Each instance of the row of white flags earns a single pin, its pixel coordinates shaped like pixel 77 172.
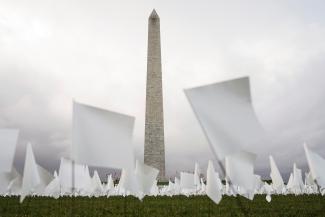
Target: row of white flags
pixel 104 138
pixel 75 179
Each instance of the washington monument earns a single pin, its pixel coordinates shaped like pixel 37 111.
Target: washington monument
pixel 154 145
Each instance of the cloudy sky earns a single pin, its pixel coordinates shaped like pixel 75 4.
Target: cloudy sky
pixel 94 51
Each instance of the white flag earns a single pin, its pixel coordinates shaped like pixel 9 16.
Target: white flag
pixel 297 177
pixel 146 177
pixel 212 188
pixel 187 181
pixel 240 170
pixel 316 165
pixel 73 175
pixel 226 115
pixel 8 141
pixel 35 178
pixel 53 188
pixel 277 181
pixel 96 185
pixel 290 181
pixel 102 138
pixel 197 174
pixel 9 181
pixel 110 183
pixel 128 183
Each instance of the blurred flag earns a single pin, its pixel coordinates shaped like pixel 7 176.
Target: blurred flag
pixel 277 181
pixel 316 165
pixel 226 115
pixel 212 188
pixel 8 141
pixel 102 138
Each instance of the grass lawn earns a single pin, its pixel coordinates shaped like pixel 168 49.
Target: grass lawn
pixel 281 205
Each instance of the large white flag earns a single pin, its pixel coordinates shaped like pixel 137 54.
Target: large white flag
pixel 102 138
pixel 8 141
pixel 316 165
pixel 226 115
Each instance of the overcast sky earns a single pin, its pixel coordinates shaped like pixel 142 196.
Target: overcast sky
pixel 94 51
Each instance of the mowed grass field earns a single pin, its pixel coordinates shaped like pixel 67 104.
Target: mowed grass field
pixel 281 205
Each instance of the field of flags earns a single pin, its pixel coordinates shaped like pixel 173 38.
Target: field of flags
pixel 104 139
pixel 74 179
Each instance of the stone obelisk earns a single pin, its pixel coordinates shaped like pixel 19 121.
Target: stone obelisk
pixel 154 147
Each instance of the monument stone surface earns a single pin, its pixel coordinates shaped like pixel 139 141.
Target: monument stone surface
pixel 154 147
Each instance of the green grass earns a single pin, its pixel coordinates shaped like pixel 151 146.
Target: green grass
pixel 290 205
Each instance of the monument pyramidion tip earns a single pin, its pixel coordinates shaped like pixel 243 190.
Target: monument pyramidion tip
pixel 153 15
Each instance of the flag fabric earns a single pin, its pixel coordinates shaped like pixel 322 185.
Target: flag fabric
pixel 35 178
pixel 146 177
pixel 226 115
pixel 109 188
pixel 31 178
pixel 277 181
pixel 102 138
pixel 187 181
pixel 53 188
pixel 295 183
pixel 96 188
pixel 73 176
pixel 316 165
pixel 8 141
pixel 8 181
pixel 290 181
pixel 128 183
pixel 197 173
pixel 212 188
pixel 240 170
